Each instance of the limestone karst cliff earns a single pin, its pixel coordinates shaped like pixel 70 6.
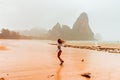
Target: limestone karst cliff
pixel 80 30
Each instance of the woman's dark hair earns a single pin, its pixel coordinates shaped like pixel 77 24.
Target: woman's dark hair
pixel 60 41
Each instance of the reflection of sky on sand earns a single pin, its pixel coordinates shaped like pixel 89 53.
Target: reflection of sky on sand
pixel 37 60
pixel 73 58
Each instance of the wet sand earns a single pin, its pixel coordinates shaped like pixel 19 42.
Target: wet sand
pixel 36 60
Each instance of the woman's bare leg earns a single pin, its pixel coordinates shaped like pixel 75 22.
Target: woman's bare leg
pixel 59 53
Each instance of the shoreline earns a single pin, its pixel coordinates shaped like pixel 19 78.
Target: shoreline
pixel 97 48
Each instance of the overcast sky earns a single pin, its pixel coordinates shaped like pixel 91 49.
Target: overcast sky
pixel 104 15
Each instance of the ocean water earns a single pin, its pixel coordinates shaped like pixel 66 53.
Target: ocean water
pixel 112 44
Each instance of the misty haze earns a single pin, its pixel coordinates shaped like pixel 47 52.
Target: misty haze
pixel 59 40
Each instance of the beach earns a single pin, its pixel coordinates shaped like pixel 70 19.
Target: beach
pixel 37 60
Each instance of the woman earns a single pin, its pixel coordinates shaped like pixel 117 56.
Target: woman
pixel 60 44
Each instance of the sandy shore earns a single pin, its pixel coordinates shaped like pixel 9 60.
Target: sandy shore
pixel 36 60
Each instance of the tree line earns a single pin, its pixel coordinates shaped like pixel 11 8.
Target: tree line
pixel 8 34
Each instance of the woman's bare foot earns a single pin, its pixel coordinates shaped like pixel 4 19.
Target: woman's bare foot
pixel 61 62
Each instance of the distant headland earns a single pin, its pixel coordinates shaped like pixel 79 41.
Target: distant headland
pixel 79 31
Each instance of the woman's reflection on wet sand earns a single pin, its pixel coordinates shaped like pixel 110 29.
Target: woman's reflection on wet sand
pixel 58 73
